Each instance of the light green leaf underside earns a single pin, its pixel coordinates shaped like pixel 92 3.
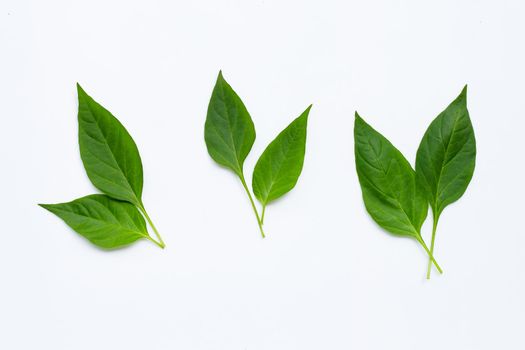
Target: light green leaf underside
pixel 229 131
pixel 105 222
pixel 388 183
pixel 447 155
pixel 109 154
pixel 281 163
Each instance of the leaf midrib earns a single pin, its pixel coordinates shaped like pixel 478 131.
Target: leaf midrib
pixel 385 194
pixel 273 181
pixel 435 207
pixel 111 224
pixel 110 150
pixel 230 128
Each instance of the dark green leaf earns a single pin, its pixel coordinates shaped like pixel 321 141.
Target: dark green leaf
pixel 281 163
pixel 106 222
pixel 388 183
pixel 229 131
pixel 447 155
pixel 109 154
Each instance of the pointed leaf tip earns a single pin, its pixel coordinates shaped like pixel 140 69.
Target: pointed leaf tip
pixel 80 91
pixel 358 119
pixel 463 95
pixel 464 91
pixel 306 112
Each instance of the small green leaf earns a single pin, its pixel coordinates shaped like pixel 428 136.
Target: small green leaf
pixel 446 159
pixel 388 183
pixel 109 154
pixel 281 163
pixel 447 155
pixel 229 131
pixel 106 222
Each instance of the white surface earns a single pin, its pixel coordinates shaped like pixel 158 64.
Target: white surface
pixel 326 277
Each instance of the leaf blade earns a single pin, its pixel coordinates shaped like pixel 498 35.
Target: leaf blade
pixel 109 153
pixel 446 156
pixel 279 167
pixel 387 182
pixel 105 222
pixel 229 132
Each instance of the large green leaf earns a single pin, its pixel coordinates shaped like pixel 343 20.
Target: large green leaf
pixel 447 155
pixel 229 131
pixel 388 183
pixel 109 154
pixel 281 163
pixel 106 222
pixel 446 159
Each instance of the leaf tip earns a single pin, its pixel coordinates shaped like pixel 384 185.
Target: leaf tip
pixel 463 95
pixel 306 112
pixel 80 91
pixel 45 206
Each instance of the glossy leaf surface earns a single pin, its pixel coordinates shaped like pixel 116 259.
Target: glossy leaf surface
pixel 447 155
pixel 281 163
pixel 388 183
pixel 229 131
pixel 109 154
pixel 105 222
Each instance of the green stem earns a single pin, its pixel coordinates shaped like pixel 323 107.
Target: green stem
pixel 420 240
pixel 434 227
pixel 262 215
pixel 160 243
pixel 259 222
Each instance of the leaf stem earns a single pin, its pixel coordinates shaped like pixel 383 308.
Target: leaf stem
pixel 262 215
pixel 149 238
pixel 160 243
pixel 434 227
pixel 259 221
pixel 420 240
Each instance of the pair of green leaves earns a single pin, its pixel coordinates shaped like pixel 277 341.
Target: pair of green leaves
pixel 396 196
pixel 229 134
pixel 112 162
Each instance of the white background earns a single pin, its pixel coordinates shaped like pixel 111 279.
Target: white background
pixel 326 277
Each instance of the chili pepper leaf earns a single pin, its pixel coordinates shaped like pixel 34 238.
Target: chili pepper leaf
pixel 229 131
pixel 106 222
pixel 388 183
pixel 281 163
pixel 447 155
pixel 109 154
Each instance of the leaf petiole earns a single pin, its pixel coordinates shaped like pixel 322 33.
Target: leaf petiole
pixel 259 221
pixel 262 215
pixel 420 240
pixel 160 243
pixel 434 227
pixel 149 238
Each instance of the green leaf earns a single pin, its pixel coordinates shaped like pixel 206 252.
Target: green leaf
pixel 109 154
pixel 447 155
pixel 388 183
pixel 106 222
pixel 229 131
pixel 281 163
pixel 446 159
